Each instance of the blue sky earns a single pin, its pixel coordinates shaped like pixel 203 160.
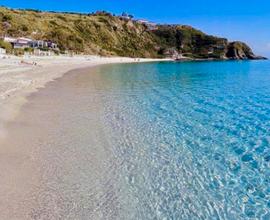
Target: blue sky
pixel 246 20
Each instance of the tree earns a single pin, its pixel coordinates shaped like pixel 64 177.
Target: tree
pixel 7 46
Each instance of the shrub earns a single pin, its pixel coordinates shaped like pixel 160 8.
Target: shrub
pixel 18 52
pixel 24 28
pixel 6 46
pixel 28 49
pixel 53 22
pixel 61 17
pixel 6 18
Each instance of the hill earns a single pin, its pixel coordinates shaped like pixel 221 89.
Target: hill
pixel 105 34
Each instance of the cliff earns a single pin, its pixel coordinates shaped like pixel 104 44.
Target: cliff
pixel 240 50
pixel 105 34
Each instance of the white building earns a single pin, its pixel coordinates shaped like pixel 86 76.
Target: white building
pixel 2 51
pixel 9 39
pixel 148 24
pixel 43 44
pixel 23 42
pixel 20 42
pixel 38 52
pixel 126 16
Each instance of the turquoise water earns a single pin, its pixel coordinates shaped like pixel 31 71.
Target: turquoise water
pixel 193 139
pixel 145 141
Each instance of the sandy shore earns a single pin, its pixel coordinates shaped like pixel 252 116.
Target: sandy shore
pixel 20 76
pixel 29 162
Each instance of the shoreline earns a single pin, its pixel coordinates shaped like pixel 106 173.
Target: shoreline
pixel 86 143
pixel 22 76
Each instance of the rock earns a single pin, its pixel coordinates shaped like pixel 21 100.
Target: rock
pixel 240 51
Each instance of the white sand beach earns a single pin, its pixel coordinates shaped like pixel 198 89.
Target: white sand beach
pixel 20 76
pixel 21 157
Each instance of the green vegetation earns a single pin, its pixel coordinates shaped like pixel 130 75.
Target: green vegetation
pixel 6 46
pixel 18 52
pixel 190 41
pixel 28 49
pixel 239 50
pixel 105 34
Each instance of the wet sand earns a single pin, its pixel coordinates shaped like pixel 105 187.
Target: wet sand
pixel 19 77
pixel 55 162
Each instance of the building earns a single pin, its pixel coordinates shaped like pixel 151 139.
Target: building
pixel 2 51
pixel 23 42
pixel 219 47
pixel 38 52
pixel 43 44
pixel 37 44
pixel 141 21
pixel 18 42
pixel 126 16
pixel 211 50
pixel 9 39
pixel 102 13
pixel 150 25
pixel 52 45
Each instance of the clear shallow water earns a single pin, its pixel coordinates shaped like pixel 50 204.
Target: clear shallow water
pixel 151 141
pixel 194 138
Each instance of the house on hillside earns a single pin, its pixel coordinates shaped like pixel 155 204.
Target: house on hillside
pixel 43 44
pixel 9 39
pixel 52 45
pixel 2 51
pixel 102 13
pixel 22 43
pixel 37 44
pixel 150 25
pixel 219 47
pixel 211 50
pixel 126 16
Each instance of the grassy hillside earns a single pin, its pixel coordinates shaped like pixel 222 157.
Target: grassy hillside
pixel 106 34
pixel 102 34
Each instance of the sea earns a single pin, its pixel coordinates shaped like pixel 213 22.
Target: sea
pixel 161 140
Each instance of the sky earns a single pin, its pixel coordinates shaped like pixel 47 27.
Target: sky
pixel 245 20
